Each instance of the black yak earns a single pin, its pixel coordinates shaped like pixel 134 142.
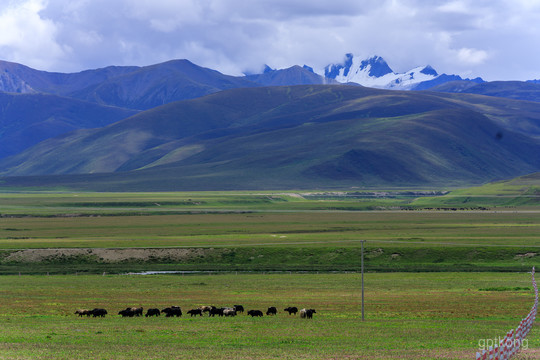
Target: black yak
pixel 271 310
pixel 98 312
pixel 195 312
pixel 172 311
pixel 138 311
pixel 307 313
pixel 127 313
pixel 254 313
pixel 215 311
pixel 291 310
pixel 152 312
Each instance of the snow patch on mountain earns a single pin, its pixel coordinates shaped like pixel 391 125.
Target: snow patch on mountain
pixel 375 72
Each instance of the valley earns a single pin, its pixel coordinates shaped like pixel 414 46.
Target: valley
pixel 494 227
pixel 292 180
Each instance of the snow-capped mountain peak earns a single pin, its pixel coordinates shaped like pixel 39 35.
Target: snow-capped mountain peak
pixel 428 70
pixel 352 68
pixel 375 66
pixel 375 72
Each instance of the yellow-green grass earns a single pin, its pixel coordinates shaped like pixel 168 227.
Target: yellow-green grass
pixel 55 203
pixel 281 224
pixel 408 315
pixel 522 192
pixel 274 229
pixel 68 203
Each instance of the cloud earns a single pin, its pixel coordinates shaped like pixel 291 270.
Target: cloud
pixel 165 15
pixel 490 38
pixel 26 36
pixel 472 56
pixel 460 7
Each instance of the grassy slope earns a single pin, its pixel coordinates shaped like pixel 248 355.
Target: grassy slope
pixel 27 119
pixel 522 191
pixel 296 137
pixel 507 89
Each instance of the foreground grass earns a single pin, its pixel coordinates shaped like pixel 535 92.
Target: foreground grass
pixel 408 315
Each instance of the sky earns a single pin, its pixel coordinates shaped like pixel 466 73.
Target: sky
pixel 493 39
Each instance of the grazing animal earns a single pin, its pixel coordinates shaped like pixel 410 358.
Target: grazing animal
pixel 307 313
pixel 137 311
pixel 229 312
pixel 206 308
pixel 238 308
pixel 82 312
pixel 195 312
pixel 126 312
pixel 98 312
pixel 291 310
pixel 254 313
pixel 152 312
pixel 172 311
pixel 271 310
pixel 215 311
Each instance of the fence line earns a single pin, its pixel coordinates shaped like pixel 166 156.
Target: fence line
pixel 512 342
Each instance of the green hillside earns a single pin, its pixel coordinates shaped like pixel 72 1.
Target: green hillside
pixel 27 119
pixel 296 137
pixel 520 90
pixel 523 191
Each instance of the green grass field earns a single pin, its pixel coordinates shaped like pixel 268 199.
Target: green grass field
pixel 272 228
pixel 522 193
pixel 245 237
pixel 408 315
pixel 270 231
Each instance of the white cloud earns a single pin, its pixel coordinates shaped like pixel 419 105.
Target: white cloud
pixel 495 39
pixel 26 36
pixel 472 56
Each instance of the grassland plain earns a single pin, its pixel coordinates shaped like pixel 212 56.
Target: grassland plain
pixel 408 316
pixel 397 240
pixel 270 231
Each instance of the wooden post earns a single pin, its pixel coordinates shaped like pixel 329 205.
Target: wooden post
pixel 362 267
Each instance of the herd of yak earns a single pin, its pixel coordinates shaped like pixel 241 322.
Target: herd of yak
pixel 211 310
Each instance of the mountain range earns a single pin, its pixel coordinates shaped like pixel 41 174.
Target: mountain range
pixel 177 126
pixel 375 72
pixel 142 88
pixel 132 87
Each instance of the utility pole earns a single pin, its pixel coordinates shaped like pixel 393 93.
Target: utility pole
pixel 362 267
